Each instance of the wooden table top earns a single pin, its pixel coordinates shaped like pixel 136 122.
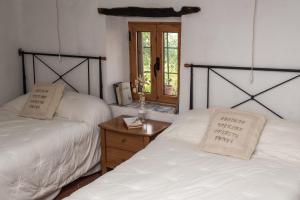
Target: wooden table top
pixel 150 127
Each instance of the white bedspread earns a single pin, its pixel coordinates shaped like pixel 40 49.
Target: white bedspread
pixel 173 168
pixel 38 157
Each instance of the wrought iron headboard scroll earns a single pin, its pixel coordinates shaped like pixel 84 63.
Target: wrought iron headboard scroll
pixel 252 97
pixel 36 56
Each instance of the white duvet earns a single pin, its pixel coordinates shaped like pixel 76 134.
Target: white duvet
pixel 38 157
pixel 173 168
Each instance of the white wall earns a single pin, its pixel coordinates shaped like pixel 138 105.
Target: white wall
pixel 10 71
pixel 222 36
pixel 82 28
pixel 83 32
pixel 219 35
pixel 117 53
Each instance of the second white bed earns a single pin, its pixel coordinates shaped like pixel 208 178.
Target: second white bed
pixel 173 168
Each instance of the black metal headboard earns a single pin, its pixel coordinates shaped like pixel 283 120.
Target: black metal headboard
pixel 36 56
pixel 252 97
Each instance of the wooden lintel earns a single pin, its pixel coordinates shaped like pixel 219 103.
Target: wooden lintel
pixel 148 12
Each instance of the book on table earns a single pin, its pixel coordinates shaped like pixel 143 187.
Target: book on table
pixel 132 122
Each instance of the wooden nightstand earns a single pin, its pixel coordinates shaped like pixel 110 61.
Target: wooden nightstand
pixel 118 143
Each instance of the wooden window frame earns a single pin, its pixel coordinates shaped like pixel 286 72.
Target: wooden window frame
pixel 156 29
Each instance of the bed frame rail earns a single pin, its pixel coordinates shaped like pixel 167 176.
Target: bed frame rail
pixel 252 97
pixel 36 56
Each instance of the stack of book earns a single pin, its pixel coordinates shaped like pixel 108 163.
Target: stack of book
pixel 123 93
pixel 132 122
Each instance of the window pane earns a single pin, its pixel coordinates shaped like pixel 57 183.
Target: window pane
pixel 147 59
pixel 173 39
pixel 171 60
pixel 146 39
pixel 144 57
pixel 170 64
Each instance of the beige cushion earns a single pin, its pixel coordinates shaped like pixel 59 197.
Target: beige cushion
pixel 43 101
pixel 233 133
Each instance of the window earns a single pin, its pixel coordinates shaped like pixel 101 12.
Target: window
pixel 155 54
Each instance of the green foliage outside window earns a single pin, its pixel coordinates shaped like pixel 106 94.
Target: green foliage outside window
pixel 147 60
pixel 170 59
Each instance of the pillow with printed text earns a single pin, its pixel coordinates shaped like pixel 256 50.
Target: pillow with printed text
pixel 43 101
pixel 233 133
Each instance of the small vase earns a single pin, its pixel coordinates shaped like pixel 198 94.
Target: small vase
pixel 142 114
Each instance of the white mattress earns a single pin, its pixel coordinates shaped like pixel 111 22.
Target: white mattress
pixel 172 167
pixel 38 157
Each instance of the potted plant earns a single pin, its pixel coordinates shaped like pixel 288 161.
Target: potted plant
pixel 169 88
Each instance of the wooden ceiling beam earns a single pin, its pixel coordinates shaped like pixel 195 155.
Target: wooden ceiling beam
pixel 148 12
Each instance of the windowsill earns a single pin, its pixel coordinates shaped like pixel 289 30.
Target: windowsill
pixel 155 111
pixel 151 106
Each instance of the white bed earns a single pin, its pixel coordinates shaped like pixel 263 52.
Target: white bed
pixel 38 157
pixel 172 167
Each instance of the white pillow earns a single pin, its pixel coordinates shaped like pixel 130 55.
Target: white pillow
pixel 17 104
pixel 189 126
pixel 83 108
pixel 280 140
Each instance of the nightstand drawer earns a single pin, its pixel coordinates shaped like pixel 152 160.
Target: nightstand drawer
pixel 125 142
pixel 114 157
pixel 118 143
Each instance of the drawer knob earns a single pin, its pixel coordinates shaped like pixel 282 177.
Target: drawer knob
pixel 123 140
